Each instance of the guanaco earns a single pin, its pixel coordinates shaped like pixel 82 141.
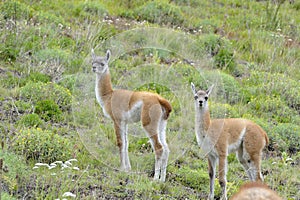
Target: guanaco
pixel 257 191
pixel 219 137
pixel 124 107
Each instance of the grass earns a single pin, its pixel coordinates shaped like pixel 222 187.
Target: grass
pixel 248 49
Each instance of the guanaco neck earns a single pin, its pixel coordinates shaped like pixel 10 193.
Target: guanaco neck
pixel 202 120
pixel 103 87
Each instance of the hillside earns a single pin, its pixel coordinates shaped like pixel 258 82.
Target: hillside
pixel 249 50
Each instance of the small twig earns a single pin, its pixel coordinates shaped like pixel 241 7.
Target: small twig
pixel 14 105
pixel 1 166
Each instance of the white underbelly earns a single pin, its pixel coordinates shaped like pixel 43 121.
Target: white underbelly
pixel 134 114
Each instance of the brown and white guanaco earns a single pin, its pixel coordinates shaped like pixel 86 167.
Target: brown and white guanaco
pixel 124 107
pixel 219 137
pixel 257 191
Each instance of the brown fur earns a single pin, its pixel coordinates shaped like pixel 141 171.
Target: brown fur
pixel 257 191
pixel 219 137
pixel 124 106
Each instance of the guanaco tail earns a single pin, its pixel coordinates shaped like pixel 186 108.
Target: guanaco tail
pixel 124 107
pixel 219 137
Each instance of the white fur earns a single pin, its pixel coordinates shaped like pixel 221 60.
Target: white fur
pixel 125 165
pixel 134 114
pixel 99 98
pixel 234 146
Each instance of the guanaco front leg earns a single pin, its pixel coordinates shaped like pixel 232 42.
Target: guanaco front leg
pixel 222 175
pixel 122 142
pixel 212 174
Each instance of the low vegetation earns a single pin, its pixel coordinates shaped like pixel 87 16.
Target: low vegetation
pixel 56 142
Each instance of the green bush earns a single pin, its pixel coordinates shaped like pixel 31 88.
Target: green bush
pixel 226 86
pixel 286 137
pixel 225 60
pixel 193 178
pixel 219 110
pixel 12 80
pixel 42 145
pixel 187 2
pixel 37 77
pixel 34 92
pixel 49 19
pixel 58 55
pixel 105 33
pixel 153 87
pixel 30 120
pixel 23 107
pixel 212 43
pixel 221 50
pixel 275 84
pixel 272 108
pixel 48 110
pixel 9 48
pixel 88 9
pixel 15 10
pixel 159 12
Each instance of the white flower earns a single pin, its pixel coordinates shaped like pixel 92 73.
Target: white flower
pixel 63 166
pixel 73 159
pixel 41 164
pixel 51 167
pixel 68 163
pixel 69 194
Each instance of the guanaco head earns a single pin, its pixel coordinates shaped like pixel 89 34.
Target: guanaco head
pixel 100 64
pixel 201 96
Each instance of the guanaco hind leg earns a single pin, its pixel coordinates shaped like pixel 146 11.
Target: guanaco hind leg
pixel 151 120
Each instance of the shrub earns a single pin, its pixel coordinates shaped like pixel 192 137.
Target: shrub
pixel 37 77
pixel 9 48
pixel 49 18
pixel 88 9
pixel 11 80
pixel 159 12
pixel 58 55
pixel 286 136
pixel 226 87
pixel 187 2
pixel 272 108
pixel 275 84
pixel 193 178
pixel 219 110
pixel 42 145
pixel 153 87
pixel 212 43
pixel 225 60
pixel 221 51
pixel 48 110
pixel 35 92
pixel 23 107
pixel 30 120
pixel 15 10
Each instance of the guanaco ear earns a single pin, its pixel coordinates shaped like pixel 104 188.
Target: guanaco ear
pixel 208 91
pixel 93 54
pixel 193 88
pixel 108 55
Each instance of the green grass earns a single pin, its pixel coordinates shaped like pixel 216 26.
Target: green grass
pixel 246 48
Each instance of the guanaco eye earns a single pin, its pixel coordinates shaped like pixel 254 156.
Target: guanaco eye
pixel 195 97
pixel 206 98
pixel 102 64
